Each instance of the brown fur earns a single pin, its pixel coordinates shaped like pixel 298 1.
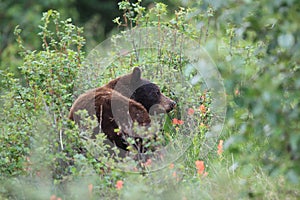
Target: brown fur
pixel 98 102
pixel 149 94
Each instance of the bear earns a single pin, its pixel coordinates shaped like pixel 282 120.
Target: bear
pixel 99 103
pixel 119 104
pixel 143 91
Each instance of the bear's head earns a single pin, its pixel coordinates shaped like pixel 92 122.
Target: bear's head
pixel 143 91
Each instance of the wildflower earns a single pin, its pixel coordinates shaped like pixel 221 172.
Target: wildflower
pixel 191 111
pixel 171 166
pixel 174 174
pixel 147 163
pixel 200 167
pixel 220 148
pixel 205 174
pixel 202 108
pixel 135 169
pixel 176 121
pixel 180 122
pixel 119 184
pixel 53 197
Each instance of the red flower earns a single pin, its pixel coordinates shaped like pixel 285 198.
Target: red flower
pixel 220 148
pixel 180 122
pixel 191 111
pixel 177 121
pixel 119 185
pixel 200 167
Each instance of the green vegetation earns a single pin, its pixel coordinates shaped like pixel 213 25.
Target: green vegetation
pixel 254 45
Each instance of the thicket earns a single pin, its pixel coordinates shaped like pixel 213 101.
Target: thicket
pixel 255 45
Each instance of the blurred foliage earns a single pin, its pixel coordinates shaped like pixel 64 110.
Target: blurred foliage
pixel 48 77
pixel 27 15
pixel 259 42
pixel 94 15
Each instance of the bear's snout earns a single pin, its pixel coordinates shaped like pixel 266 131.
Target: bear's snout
pixel 172 104
pixel 166 105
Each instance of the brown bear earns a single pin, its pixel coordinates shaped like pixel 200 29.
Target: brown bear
pixel 119 104
pixel 142 91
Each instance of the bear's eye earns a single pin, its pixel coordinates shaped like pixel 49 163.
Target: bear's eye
pixel 158 93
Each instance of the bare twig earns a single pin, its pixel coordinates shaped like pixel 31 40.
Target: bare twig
pixel 60 139
pixel 100 118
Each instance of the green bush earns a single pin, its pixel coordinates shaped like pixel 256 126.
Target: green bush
pixel 259 62
pixel 260 42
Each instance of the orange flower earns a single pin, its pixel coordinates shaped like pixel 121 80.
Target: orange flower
pixel 135 169
pixel 220 148
pixel 171 166
pixel 200 167
pixel 205 174
pixel 119 184
pixel 176 121
pixel 53 197
pixel 202 108
pixel 174 174
pixel 191 111
pixel 147 163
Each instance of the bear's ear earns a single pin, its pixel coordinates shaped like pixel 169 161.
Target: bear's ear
pixel 136 74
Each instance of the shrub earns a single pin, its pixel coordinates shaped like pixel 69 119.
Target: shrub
pixel 261 132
